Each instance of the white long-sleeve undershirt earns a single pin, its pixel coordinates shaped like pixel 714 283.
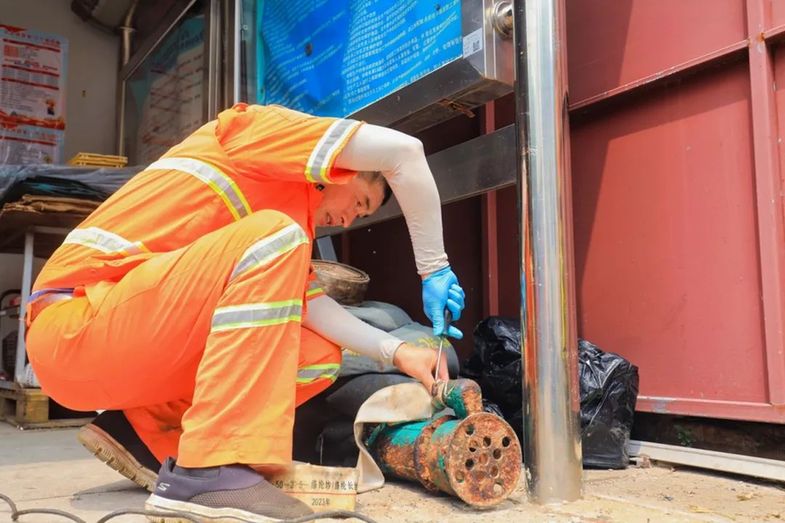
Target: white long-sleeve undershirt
pixel 401 160
pixel 327 318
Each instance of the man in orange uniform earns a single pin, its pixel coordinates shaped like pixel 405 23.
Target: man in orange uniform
pixel 186 299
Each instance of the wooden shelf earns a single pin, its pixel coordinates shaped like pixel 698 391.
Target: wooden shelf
pixel 13 225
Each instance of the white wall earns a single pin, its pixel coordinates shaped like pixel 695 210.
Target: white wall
pixel 91 81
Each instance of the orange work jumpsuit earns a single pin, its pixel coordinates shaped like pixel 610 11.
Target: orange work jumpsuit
pixel 185 292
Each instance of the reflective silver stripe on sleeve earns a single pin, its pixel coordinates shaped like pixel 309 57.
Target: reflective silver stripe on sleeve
pixel 104 241
pixel 319 161
pixel 256 315
pixel 219 182
pixel 268 248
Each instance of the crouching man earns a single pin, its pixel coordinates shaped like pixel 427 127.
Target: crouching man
pixel 186 304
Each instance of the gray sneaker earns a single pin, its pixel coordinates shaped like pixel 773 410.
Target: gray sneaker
pixel 231 494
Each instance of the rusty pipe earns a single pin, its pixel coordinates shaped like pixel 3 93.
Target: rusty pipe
pixel 476 458
pixel 463 396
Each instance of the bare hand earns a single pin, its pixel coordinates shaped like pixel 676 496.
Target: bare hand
pixel 419 363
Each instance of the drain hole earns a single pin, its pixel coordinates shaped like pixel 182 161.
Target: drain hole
pixel 486 441
pixel 459 476
pixel 470 430
pixel 494 471
pixel 472 449
pixel 497 453
pixel 505 441
pixel 484 459
pixel 469 463
pixel 498 489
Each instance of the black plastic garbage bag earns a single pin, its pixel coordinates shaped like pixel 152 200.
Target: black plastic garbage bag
pixel 608 389
pixel 496 362
pixel 491 408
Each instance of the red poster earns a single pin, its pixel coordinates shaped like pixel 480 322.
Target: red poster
pixel 32 95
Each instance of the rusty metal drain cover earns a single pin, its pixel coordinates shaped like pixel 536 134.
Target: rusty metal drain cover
pixel 483 461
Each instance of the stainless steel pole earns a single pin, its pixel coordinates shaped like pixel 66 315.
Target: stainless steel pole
pixel 551 446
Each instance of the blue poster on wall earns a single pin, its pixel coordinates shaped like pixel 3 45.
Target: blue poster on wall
pixel 329 61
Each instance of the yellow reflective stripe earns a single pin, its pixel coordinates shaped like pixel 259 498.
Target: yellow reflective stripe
pixel 311 373
pixel 314 291
pixel 221 184
pixel 269 248
pixel 313 288
pixel 256 315
pixel 326 149
pixel 104 241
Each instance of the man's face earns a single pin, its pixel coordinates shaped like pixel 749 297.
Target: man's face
pixel 341 204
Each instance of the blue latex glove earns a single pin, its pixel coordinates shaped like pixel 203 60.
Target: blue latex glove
pixel 440 291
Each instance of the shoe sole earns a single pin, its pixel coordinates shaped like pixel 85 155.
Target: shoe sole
pixel 108 450
pixel 201 513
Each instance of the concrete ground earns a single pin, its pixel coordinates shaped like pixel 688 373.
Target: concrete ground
pixel 48 468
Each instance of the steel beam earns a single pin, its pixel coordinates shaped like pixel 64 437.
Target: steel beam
pixel 768 191
pixel 710 459
pixel 729 53
pixel 774 34
pixel 490 254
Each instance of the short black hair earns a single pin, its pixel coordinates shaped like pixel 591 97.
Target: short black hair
pixel 376 177
pixel 387 191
